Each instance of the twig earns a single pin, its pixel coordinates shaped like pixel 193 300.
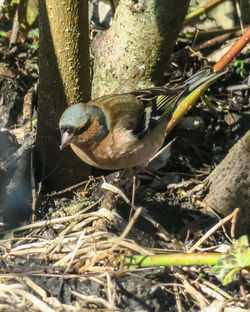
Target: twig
pixel 16 22
pixel 233 52
pixel 70 188
pixel 213 229
pixel 238 10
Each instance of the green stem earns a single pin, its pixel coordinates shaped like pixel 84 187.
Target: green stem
pixel 178 259
pixel 209 106
pixel 201 10
pixel 208 34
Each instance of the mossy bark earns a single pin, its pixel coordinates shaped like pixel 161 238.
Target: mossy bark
pixel 64 80
pixel 134 51
pixel 230 184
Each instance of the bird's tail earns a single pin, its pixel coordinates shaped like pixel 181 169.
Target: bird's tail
pixel 204 75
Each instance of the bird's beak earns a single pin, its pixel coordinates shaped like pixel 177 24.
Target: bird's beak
pixel 66 139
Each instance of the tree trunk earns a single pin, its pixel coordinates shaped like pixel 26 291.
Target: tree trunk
pixel 230 184
pixel 134 51
pixel 64 80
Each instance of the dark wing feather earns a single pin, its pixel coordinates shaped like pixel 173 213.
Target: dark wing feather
pixel 159 104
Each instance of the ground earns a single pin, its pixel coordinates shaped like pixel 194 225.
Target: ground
pixel 67 257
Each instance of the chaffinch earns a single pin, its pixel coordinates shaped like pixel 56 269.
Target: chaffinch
pixel 125 130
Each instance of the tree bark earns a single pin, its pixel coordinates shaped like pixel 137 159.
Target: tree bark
pixel 134 51
pixel 64 80
pixel 230 184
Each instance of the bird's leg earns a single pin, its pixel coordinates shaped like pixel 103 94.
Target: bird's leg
pixel 125 179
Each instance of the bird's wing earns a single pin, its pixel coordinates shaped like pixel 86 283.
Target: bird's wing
pixel 138 111
pixel 159 104
pixel 141 111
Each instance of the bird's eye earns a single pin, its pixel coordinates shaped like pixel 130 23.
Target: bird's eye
pixel 83 128
pixel 67 129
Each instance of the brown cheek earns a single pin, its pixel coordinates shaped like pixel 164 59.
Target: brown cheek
pixel 92 132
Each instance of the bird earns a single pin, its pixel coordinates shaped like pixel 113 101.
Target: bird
pixel 120 131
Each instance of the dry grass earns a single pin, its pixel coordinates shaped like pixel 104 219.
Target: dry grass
pixel 79 247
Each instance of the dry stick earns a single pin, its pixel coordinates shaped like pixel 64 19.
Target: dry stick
pixel 195 38
pixel 114 189
pixel 37 289
pixel 213 229
pixel 111 293
pixel 162 150
pixel 233 225
pixel 211 42
pixel 208 284
pixel 158 226
pixel 33 185
pixel 242 289
pixel 177 298
pixel 116 243
pixel 238 10
pixel 15 29
pixel 209 209
pixel 209 292
pixel 197 296
pixel 16 22
pixel 133 198
pixel 38 304
pixel 233 52
pixel 54 221
pixel 93 299
pixel 27 122
pixel 68 189
pixel 77 246
pixel 126 230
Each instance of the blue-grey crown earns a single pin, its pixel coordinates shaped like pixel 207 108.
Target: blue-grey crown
pixel 73 117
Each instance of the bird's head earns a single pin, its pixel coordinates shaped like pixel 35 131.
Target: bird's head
pixel 82 123
pixel 74 121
